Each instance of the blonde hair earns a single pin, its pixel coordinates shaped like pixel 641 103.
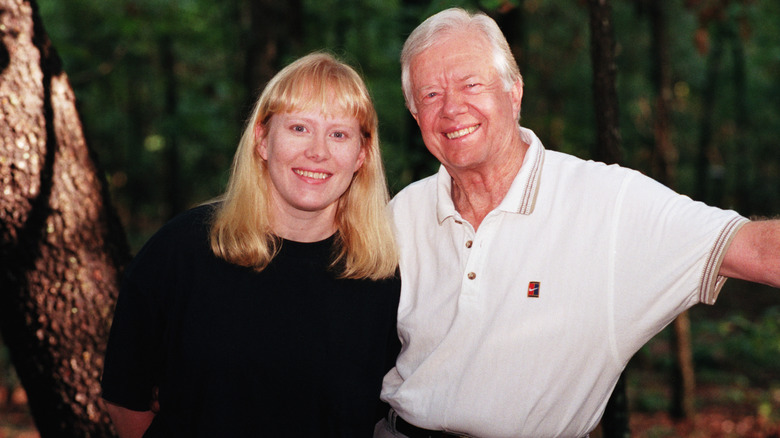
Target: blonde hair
pixel 241 231
pixel 445 23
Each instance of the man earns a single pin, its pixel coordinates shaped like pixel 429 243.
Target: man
pixel 530 277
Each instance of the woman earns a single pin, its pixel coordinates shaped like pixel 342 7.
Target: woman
pixel 271 312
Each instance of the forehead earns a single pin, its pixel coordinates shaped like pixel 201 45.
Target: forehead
pixel 455 56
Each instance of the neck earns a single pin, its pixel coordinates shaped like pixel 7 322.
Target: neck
pixel 476 192
pixel 303 233
pixel 305 226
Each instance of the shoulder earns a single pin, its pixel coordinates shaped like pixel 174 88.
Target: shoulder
pixel 186 234
pixel 417 200
pixel 424 189
pixel 579 174
pixel 569 163
pixel 418 188
pixel 187 224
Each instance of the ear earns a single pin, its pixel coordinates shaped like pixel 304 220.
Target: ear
pixel 261 141
pixel 517 97
pixel 360 159
pixel 415 118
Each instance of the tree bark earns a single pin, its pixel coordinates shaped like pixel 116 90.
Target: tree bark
pixel 683 376
pixel 664 159
pixel 608 148
pixel 664 155
pixel 743 156
pixel 270 29
pixel 710 90
pixel 61 245
pixel 615 422
pixel 173 178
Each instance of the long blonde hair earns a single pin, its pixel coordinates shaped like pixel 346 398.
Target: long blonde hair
pixel 241 230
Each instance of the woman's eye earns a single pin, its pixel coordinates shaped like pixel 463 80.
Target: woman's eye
pixel 339 134
pixel 299 128
pixel 431 94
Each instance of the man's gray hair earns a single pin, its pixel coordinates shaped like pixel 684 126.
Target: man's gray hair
pixel 449 21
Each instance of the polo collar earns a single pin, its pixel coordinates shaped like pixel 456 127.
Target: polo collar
pixel 522 194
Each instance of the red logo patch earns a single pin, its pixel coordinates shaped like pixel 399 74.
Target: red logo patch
pixel 533 289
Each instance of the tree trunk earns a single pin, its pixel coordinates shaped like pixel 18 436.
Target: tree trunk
pixel 710 90
pixel 61 245
pixel 683 378
pixel 664 155
pixel 512 21
pixel 173 187
pixel 615 422
pixel 743 198
pixel 602 43
pixel 269 28
pixel 664 164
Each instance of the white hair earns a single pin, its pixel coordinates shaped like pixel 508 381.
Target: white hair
pixel 445 23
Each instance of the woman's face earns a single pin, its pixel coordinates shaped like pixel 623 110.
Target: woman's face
pixel 311 159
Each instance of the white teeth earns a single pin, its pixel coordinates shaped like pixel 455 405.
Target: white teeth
pixel 308 174
pixel 461 132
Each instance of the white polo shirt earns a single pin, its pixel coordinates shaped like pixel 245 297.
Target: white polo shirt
pixel 522 328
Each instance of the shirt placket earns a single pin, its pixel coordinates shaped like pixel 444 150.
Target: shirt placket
pixel 473 272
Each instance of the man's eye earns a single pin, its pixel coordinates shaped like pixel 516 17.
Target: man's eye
pixel 431 94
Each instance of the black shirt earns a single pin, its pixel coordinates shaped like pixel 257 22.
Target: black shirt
pixel 290 351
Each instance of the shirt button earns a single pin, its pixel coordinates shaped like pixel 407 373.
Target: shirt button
pixel 472 276
pixel 468 244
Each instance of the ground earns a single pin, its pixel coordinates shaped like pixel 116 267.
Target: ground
pixel 722 412
pixel 732 420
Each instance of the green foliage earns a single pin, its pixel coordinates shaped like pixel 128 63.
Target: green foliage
pixel 736 359
pixel 734 349
pixel 558 96
pixel 748 347
pixel 116 53
pixel 8 378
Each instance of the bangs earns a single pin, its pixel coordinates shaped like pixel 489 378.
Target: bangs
pixel 332 92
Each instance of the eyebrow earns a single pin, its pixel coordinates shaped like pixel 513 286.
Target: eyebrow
pixel 329 118
pixel 478 77
pixel 427 87
pixel 465 78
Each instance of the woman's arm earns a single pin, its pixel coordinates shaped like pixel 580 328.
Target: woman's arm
pixel 129 423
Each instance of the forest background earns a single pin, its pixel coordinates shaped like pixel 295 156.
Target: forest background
pixel 164 87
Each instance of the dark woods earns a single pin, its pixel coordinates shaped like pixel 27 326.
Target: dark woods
pixel 682 90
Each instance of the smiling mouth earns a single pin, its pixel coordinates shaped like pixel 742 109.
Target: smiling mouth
pixel 461 132
pixel 310 174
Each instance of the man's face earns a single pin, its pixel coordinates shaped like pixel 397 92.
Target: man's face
pixel 466 118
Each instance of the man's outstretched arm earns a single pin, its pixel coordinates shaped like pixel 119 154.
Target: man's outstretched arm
pixel 754 253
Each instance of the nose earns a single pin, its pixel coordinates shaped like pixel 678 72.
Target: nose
pixel 318 149
pixel 454 103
